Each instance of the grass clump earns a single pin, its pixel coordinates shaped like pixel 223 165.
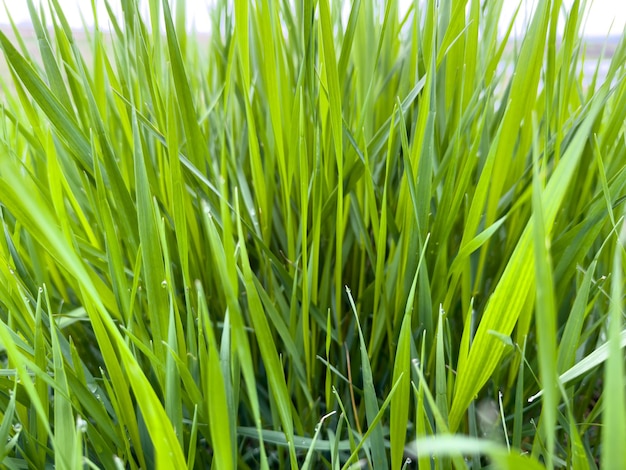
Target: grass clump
pixel 317 237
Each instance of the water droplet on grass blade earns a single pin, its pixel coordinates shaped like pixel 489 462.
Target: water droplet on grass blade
pixel 81 425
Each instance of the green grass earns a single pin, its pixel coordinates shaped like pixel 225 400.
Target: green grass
pixel 315 238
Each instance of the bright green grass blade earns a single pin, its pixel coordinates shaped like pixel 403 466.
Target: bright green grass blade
pixel 49 61
pixel 243 39
pixel 7 443
pixel 153 271
pixel 230 372
pixel 20 363
pixel 523 84
pixel 278 323
pixel 240 340
pixel 439 420
pixel 545 316
pixel 614 414
pixel 40 361
pixel 168 451
pixel 177 186
pixel 183 90
pixel 329 64
pixel 373 427
pixel 50 104
pixel 510 294
pixel 441 382
pixel 348 39
pixel 579 457
pixel 573 328
pixel 45 229
pixel 379 313
pixel 193 441
pixel 520 402
pixel 377 444
pixel 266 344
pixel 215 392
pixel 173 394
pixel 277 102
pixel 420 421
pixel 67 455
pixel 399 407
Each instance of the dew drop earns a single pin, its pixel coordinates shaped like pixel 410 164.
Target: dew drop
pixel 164 284
pixel 119 463
pixel 81 425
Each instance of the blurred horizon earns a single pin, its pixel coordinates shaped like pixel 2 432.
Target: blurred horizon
pixel 604 20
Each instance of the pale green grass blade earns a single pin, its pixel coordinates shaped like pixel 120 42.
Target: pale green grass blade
pixel 301 443
pixel 451 445
pixel 309 455
pixel 599 355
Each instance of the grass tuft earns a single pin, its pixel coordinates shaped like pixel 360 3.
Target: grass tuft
pixel 319 236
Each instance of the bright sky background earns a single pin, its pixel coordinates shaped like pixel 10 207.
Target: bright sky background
pixel 601 13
